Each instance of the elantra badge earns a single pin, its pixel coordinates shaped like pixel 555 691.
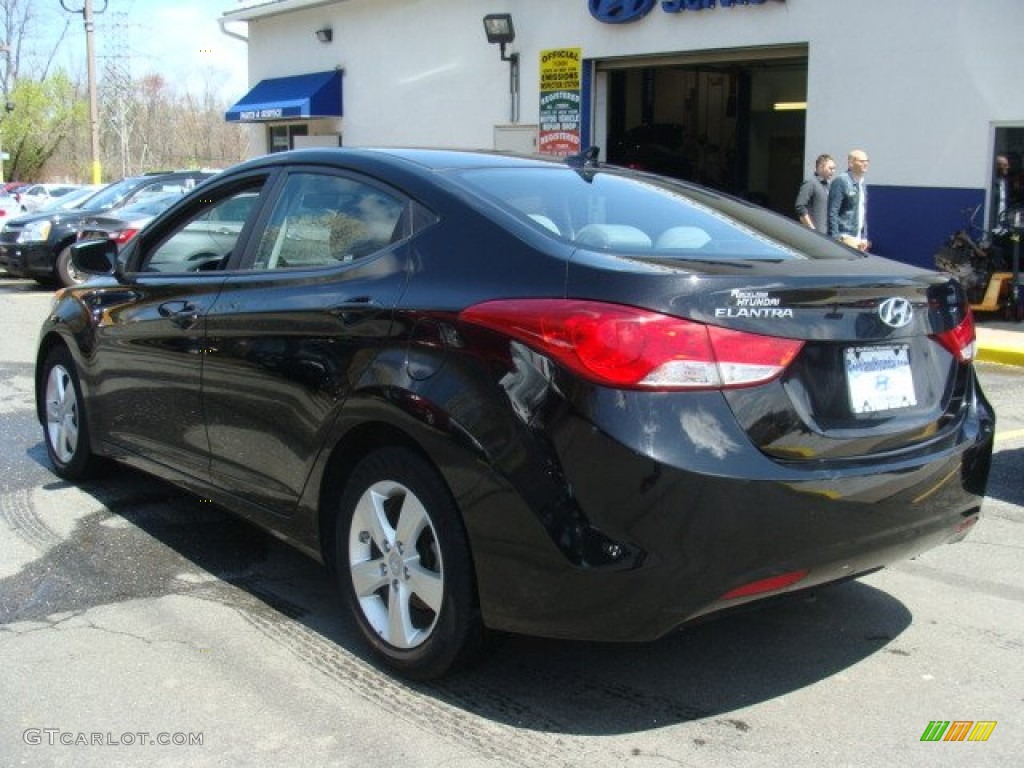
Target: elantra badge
pixel 896 312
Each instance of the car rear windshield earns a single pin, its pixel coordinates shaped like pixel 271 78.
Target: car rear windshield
pixel 627 213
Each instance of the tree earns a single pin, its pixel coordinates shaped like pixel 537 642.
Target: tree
pixel 148 125
pixel 45 116
pixel 145 124
pixel 39 109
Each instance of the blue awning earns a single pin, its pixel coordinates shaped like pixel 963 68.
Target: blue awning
pixel 280 98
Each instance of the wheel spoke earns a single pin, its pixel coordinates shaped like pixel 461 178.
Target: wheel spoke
pixel 368 576
pixel 370 517
pixel 401 631
pixel 427 585
pixel 411 521
pixel 70 429
pixel 53 411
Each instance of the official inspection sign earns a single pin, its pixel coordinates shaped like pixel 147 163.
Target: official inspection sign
pixel 560 75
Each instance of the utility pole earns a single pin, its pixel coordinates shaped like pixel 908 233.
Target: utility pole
pixel 94 117
pixel 9 107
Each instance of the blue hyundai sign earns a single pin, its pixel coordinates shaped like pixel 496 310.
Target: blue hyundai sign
pixel 620 11
pixel 625 11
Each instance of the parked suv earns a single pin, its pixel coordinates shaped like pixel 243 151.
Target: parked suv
pixel 38 245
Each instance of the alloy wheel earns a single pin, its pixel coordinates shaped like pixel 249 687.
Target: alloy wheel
pixel 395 564
pixel 62 424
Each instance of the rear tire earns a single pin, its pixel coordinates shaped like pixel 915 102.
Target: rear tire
pixel 404 566
pixel 65 429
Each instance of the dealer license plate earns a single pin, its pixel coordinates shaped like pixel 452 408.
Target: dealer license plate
pixel 879 378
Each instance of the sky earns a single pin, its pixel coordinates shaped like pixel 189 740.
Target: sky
pixel 177 39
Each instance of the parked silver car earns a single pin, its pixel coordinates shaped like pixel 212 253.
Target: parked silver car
pixel 33 197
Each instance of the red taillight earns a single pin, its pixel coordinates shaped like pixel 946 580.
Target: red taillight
pixel 123 236
pixel 960 340
pixel 765 585
pixel 632 348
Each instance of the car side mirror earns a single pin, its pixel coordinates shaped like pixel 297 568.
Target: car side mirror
pixel 95 257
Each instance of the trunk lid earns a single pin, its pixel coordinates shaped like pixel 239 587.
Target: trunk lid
pixel 885 365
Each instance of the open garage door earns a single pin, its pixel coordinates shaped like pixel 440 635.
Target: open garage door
pixel 733 120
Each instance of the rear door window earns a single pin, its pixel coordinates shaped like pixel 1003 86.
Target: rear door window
pixel 322 220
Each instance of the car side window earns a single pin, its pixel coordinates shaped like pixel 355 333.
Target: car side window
pixel 321 220
pixel 206 238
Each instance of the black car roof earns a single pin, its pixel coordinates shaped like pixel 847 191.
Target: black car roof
pixel 443 159
pixel 425 159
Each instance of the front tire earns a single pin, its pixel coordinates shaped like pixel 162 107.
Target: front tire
pixel 65 429
pixel 404 565
pixel 67 274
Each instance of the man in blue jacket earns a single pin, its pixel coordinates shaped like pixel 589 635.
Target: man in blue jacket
pixel 848 203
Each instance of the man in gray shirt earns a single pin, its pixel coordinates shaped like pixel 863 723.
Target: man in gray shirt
pixel 812 199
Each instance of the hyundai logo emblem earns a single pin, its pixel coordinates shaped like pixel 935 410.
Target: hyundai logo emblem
pixel 896 312
pixel 620 11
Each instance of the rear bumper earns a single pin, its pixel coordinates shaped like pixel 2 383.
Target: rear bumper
pixel 636 535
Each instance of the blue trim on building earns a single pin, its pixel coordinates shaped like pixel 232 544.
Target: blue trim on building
pixel 586 92
pixel 910 224
pixel 317 94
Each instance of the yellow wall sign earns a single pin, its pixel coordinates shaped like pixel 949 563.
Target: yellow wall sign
pixel 561 71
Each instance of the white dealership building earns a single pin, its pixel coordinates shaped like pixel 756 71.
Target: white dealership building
pixel 738 94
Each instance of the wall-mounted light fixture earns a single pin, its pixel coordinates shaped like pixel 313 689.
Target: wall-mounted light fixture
pixel 325 34
pixel 499 29
pixel 789 106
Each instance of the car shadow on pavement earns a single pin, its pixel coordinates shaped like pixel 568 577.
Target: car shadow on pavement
pixel 145 539
pixel 707 670
pixel 1004 480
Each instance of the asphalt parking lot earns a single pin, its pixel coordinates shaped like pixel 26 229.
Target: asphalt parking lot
pixel 142 625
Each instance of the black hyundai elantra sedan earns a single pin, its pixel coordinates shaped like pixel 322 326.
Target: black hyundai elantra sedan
pixel 501 393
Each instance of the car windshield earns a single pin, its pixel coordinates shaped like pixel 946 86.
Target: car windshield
pixel 110 196
pixel 52 191
pixel 618 212
pixel 118 192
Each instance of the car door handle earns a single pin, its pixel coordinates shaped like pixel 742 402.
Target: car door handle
pixel 184 314
pixel 354 309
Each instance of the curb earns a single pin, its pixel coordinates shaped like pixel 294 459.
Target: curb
pixel 998 353
pixel 998 345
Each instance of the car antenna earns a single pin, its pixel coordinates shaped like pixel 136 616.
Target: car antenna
pixel 587 157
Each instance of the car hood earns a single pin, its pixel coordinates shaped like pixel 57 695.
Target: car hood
pixel 55 217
